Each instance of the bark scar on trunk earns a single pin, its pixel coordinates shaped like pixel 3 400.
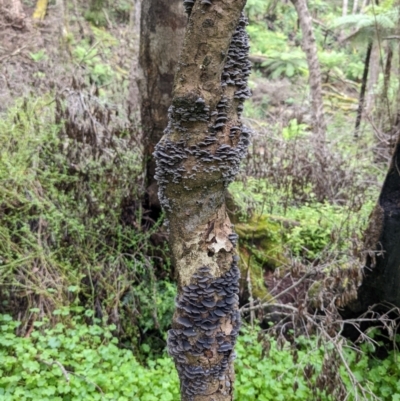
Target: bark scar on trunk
pixel 218 235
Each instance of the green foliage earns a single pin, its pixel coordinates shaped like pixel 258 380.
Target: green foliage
pixel 377 21
pixel 256 9
pixel 70 235
pixel 266 370
pixel 381 376
pixel 39 55
pixel 78 362
pixel 285 64
pixel 316 227
pixel 294 130
pixel 74 361
pixel 156 299
pixel 263 41
pixel 95 58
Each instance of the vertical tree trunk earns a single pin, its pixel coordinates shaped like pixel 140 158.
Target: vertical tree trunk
pixel 363 89
pixel 345 7
pixel 382 267
pixel 383 112
pixel 363 5
pixel 197 158
pixel 163 25
pixel 310 48
pixel 373 77
pixel 396 116
pixel 355 6
pixel 387 73
pixel 134 91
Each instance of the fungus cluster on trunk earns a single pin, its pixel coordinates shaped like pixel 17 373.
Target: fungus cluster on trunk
pixel 203 308
pixel 197 159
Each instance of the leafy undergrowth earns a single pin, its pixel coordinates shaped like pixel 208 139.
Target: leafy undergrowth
pixel 309 229
pixel 76 361
pixel 72 234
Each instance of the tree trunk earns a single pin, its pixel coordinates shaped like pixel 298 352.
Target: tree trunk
pixel 363 89
pixel 310 48
pixel 345 7
pixel 383 112
pixel 162 28
pixel 382 267
pixel 364 5
pixel 355 6
pixel 197 158
pixel 134 91
pixel 387 74
pixel 373 77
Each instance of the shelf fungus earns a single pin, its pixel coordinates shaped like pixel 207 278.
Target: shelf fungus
pixel 197 158
pixel 206 327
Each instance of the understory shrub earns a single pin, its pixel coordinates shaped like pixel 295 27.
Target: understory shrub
pixel 72 232
pixel 309 228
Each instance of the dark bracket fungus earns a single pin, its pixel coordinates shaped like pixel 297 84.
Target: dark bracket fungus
pixel 188 4
pixel 206 328
pixel 170 156
pixel 196 160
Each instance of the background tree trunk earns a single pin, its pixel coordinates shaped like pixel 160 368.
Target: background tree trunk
pixel 310 48
pixel 345 7
pixel 363 89
pixel 363 5
pixel 162 29
pixel 134 91
pixel 383 107
pixel 355 6
pixel 373 77
pixel 197 158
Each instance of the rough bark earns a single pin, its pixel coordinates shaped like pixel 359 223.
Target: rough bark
pixel 162 29
pixel 363 89
pixel 310 48
pixel 197 158
pixel 382 267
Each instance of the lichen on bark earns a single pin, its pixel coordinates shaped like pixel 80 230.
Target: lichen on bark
pixel 197 158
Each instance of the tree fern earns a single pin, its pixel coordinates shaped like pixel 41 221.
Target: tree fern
pixel 377 21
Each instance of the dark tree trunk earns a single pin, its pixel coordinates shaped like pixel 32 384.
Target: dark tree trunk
pixel 197 158
pixel 163 25
pixel 382 267
pixel 363 89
